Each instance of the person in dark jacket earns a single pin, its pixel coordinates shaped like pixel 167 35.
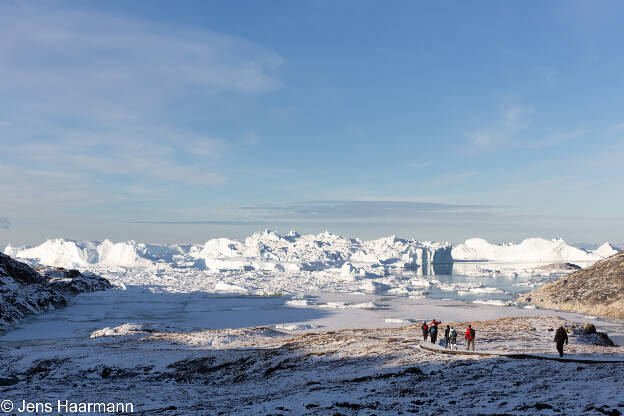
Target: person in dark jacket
pixel 433 333
pixel 561 336
pixel 447 336
pixel 425 330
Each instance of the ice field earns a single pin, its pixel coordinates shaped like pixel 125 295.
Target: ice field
pixel 296 282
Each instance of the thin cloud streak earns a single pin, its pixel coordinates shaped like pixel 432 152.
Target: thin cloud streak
pixel 5 224
pixel 511 131
pixel 335 210
pixel 451 179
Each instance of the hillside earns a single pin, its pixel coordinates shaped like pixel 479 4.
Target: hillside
pixel 260 371
pixel 26 291
pixel 597 290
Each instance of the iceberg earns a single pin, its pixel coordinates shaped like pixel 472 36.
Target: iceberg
pixel 60 252
pixel 537 250
pixel 606 250
pixel 265 251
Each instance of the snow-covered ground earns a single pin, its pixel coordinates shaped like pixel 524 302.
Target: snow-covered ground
pixel 260 371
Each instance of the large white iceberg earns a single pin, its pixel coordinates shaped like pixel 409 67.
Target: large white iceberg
pixel 606 250
pixel 314 252
pixel 59 252
pixel 529 250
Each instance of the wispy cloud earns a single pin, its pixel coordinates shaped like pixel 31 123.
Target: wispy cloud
pixel 501 132
pixel 451 179
pixel 616 128
pixel 92 100
pixel 418 165
pixel 555 139
pixel 512 129
pixel 5 224
pixel 341 211
pixel 200 222
pixel 354 209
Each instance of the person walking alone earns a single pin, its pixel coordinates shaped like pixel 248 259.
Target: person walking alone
pixel 447 336
pixel 561 336
pixel 425 330
pixel 470 337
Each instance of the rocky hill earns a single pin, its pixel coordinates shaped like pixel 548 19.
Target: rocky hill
pixel 25 291
pixel 597 290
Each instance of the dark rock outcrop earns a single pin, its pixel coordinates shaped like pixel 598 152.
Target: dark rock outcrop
pixel 25 291
pixel 559 266
pixel 597 290
pixel 587 334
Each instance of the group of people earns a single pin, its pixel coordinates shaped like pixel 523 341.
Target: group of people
pixel 450 335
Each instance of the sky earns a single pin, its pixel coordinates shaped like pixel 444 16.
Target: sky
pixel 184 121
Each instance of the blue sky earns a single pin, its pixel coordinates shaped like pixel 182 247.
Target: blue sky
pixel 183 121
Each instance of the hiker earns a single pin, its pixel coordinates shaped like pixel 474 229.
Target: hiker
pixel 434 322
pixel 453 336
pixel 561 336
pixel 447 336
pixel 433 333
pixel 470 337
pixel 425 330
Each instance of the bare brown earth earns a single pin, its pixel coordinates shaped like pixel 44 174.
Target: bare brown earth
pixel 597 290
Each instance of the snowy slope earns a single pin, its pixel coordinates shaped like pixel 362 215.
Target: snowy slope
pixel 25 291
pixel 260 371
pixel 529 250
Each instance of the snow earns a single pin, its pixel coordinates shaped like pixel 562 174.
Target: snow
pixel 261 370
pixel 125 329
pixel 529 250
pixel 297 302
pixel 224 287
pixel 345 305
pixel 494 302
pixel 397 321
pixel 295 327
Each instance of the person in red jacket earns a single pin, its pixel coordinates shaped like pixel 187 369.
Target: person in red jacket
pixel 470 337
